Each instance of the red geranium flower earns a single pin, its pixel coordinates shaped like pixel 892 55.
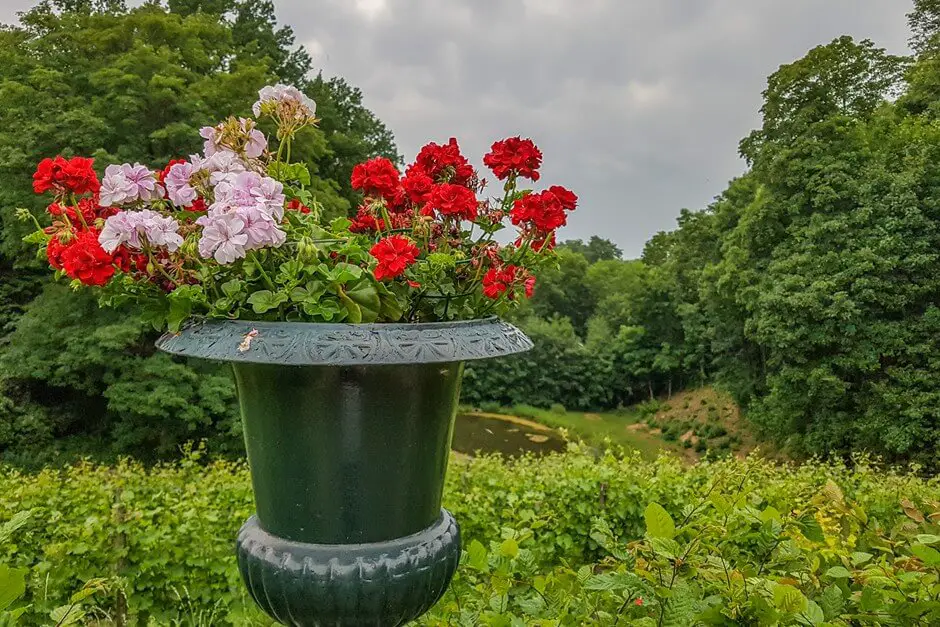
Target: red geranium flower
pixel 75 175
pixel 377 178
pixel 394 253
pixel 54 250
pixel 497 280
pixel 199 205
pixel 566 197
pixel 87 261
pixel 445 163
pixel 544 211
pixel 296 205
pixel 418 185
pixel 514 155
pixel 452 200
pixel 529 286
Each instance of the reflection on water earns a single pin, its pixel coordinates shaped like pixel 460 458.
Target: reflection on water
pixel 487 434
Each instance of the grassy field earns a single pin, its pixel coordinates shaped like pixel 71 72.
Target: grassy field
pixel 691 423
pixel 624 428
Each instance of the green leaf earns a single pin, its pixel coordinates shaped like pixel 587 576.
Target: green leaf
pixel 342 273
pixel 788 599
pixel 812 615
pixel 264 301
pixel 12 585
pixel 67 615
pixel 233 288
pixel 811 530
pixel 927 538
pixel 659 523
pixel 365 295
pixel 860 557
pixel 838 572
pixel 666 547
pixel 9 527
pixel 37 238
pixel 340 225
pixel 509 548
pixel 181 306
pixel 290 172
pixel 476 556
pixel 613 581
pixel 928 555
pixel 832 602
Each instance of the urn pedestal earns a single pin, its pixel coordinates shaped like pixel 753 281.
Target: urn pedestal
pixel 348 431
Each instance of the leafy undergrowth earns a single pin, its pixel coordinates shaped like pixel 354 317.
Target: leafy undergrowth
pixel 567 539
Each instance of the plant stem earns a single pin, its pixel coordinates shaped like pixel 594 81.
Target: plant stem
pixel 264 275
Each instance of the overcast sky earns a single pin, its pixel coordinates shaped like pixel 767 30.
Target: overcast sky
pixel 638 105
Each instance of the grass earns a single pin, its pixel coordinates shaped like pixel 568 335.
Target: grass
pixel 595 429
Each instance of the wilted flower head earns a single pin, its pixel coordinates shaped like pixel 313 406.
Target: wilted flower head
pixel 285 102
pixel 236 134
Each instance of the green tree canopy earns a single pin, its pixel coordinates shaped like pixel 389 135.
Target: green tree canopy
pixel 97 78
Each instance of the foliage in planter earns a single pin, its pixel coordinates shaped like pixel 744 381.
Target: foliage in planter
pixel 157 529
pixel 238 231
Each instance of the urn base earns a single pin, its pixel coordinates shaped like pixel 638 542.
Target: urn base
pixel 384 584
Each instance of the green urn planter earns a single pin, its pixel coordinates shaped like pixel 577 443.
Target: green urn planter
pixel 348 430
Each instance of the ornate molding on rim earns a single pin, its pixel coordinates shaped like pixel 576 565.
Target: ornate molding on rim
pixel 313 344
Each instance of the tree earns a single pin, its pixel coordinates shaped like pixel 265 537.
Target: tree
pixel 924 22
pixel 845 78
pixel 597 249
pixel 562 291
pixel 84 77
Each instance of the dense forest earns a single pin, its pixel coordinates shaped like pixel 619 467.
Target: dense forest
pixel 808 288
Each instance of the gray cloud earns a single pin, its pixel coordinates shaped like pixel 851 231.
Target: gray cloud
pixel 638 105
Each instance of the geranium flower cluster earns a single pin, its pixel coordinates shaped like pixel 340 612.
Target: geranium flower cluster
pixel 438 203
pixel 233 232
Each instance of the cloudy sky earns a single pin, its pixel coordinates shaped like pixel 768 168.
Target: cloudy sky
pixel 638 105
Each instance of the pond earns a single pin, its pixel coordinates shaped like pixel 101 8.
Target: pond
pixel 492 433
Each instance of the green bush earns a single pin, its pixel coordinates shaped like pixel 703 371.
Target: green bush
pixel 166 532
pixel 558 408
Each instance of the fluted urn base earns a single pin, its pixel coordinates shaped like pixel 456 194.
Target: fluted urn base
pixel 384 584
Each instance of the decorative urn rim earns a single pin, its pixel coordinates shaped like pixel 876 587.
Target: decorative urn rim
pixel 345 344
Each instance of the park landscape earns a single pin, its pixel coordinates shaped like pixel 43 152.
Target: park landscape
pixel 739 427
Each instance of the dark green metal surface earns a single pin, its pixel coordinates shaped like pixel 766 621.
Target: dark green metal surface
pixel 348 454
pixel 348 430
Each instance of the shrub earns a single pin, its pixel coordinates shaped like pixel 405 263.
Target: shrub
pixel 490 407
pixel 649 408
pixel 558 408
pixel 167 531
